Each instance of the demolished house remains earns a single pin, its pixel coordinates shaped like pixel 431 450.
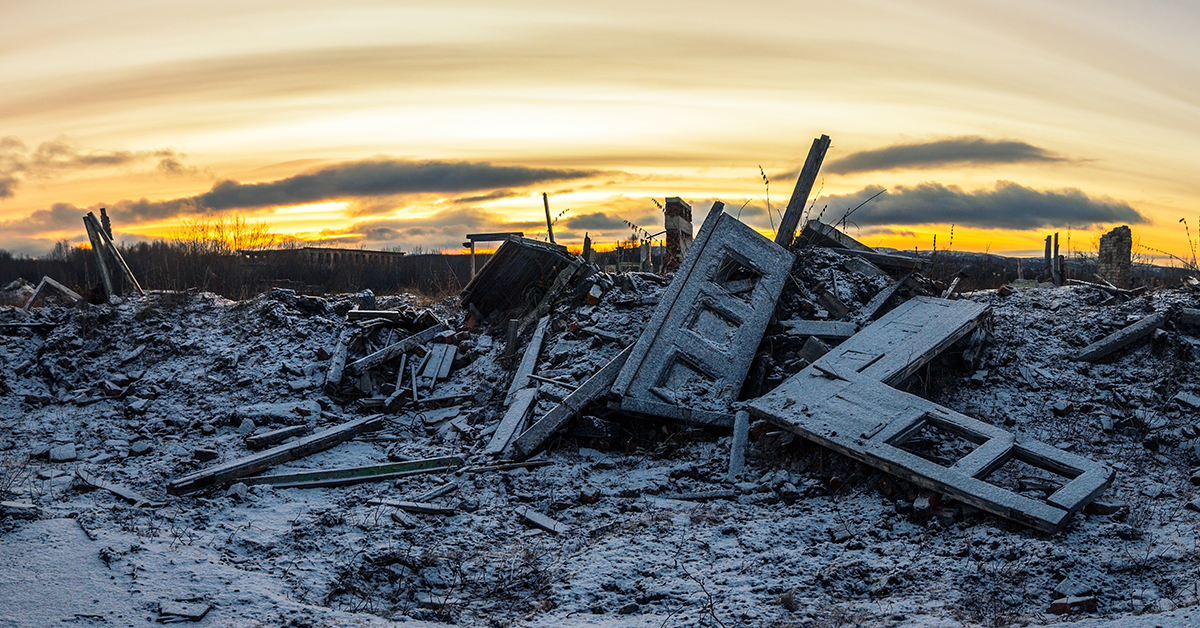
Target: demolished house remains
pixel 522 436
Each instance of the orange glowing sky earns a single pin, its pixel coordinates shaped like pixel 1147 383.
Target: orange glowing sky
pixel 386 124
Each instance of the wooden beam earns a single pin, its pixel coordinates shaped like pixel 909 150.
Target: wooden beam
pixel 594 388
pixel 804 185
pixel 243 467
pixel 549 225
pixel 112 249
pixel 1121 339
pixel 513 421
pixel 101 262
pixel 274 437
pixel 47 281
pixel 529 360
pixel 356 475
pixel 397 348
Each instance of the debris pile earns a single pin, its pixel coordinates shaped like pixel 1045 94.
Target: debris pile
pixel 769 435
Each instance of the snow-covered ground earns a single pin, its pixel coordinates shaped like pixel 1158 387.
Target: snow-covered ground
pixel 812 539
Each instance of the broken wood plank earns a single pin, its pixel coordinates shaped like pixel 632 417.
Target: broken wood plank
pixel 513 421
pixel 274 437
pixel 804 184
pixel 1120 339
pixel 836 330
pixel 547 380
pixel 592 389
pixel 256 463
pixel 101 262
pixel 433 493
pixel 356 475
pixel 817 233
pixel 542 521
pixel 528 361
pixel 506 466
pixel 388 315
pixel 123 492
pixel 737 445
pixel 601 334
pixel 47 281
pixel 1188 316
pixel 439 356
pixel 415 507
pixel 337 363
pixel 402 346
pixel 116 254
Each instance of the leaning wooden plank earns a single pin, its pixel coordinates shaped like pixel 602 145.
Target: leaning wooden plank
pixel 594 388
pixel 123 492
pixel 1121 339
pixel 250 465
pixel 804 185
pixel 529 360
pixel 397 348
pixel 356 475
pixel 895 262
pixel 513 421
pixel 274 437
pixel 112 249
pixel 817 233
pixel 36 293
pixel 101 261
pixel 872 309
pixel 695 416
pixel 417 507
pixel 542 521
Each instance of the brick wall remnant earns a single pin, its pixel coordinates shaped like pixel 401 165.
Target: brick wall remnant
pixel 1116 248
pixel 679 232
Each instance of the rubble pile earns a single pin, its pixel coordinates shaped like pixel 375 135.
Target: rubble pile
pixel 615 447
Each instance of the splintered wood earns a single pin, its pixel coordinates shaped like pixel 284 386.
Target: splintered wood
pixel 844 401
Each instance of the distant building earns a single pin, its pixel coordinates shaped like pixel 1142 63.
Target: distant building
pixel 323 255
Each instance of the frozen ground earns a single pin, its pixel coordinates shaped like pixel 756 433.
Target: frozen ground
pixel 813 539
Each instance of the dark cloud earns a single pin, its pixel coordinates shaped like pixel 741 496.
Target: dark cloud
pixel 952 151
pixel 490 196
pixel 8 184
pixel 376 177
pixel 594 221
pixel 1006 205
pixel 58 156
pixel 60 216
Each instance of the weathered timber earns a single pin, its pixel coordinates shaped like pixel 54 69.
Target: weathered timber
pixel 123 492
pixel 437 491
pixel 101 260
pixel 875 307
pixel 337 363
pixel 737 445
pixel 402 346
pixel 440 359
pixel 363 315
pixel 702 338
pixel 415 507
pixel 47 281
pixel 112 250
pixel 256 463
pixel 506 466
pixel 529 360
pixel 1120 339
pixel 836 330
pixel 513 421
pixel 542 521
pixel 818 233
pixel 556 382
pixel 804 185
pixel 592 389
pixel 274 437
pixel 356 475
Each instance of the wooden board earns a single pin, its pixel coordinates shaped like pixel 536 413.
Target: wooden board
pixel 529 360
pixel 354 475
pixel 513 421
pixel 395 349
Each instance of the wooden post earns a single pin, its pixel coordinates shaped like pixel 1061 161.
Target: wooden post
pixel 510 347
pixel 1049 264
pixel 112 249
pixel 587 248
pixel 101 262
pixel 804 184
pixel 1058 276
pixel 549 226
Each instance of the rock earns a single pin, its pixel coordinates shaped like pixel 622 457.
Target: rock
pixel 595 294
pixel 140 447
pixel 1188 399
pixel 1193 505
pixel 1195 478
pixel 137 405
pixel 629 609
pixel 247 427
pixel 1103 508
pixel 1070 587
pixel 63 453
pixel 18 510
pixel 237 491
pixel 1062 408
pixel 1068 605
pixel 207 429
pixel 204 455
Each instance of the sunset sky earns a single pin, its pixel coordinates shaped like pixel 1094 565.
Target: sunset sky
pixel 405 124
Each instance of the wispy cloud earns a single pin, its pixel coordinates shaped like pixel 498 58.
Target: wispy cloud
pixel 1005 205
pixel 61 156
pixel 956 151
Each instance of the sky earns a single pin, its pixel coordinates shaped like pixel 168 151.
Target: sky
pixel 986 125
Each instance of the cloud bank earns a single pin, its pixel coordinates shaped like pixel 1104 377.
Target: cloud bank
pixel 955 151
pixel 60 156
pixel 1005 205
